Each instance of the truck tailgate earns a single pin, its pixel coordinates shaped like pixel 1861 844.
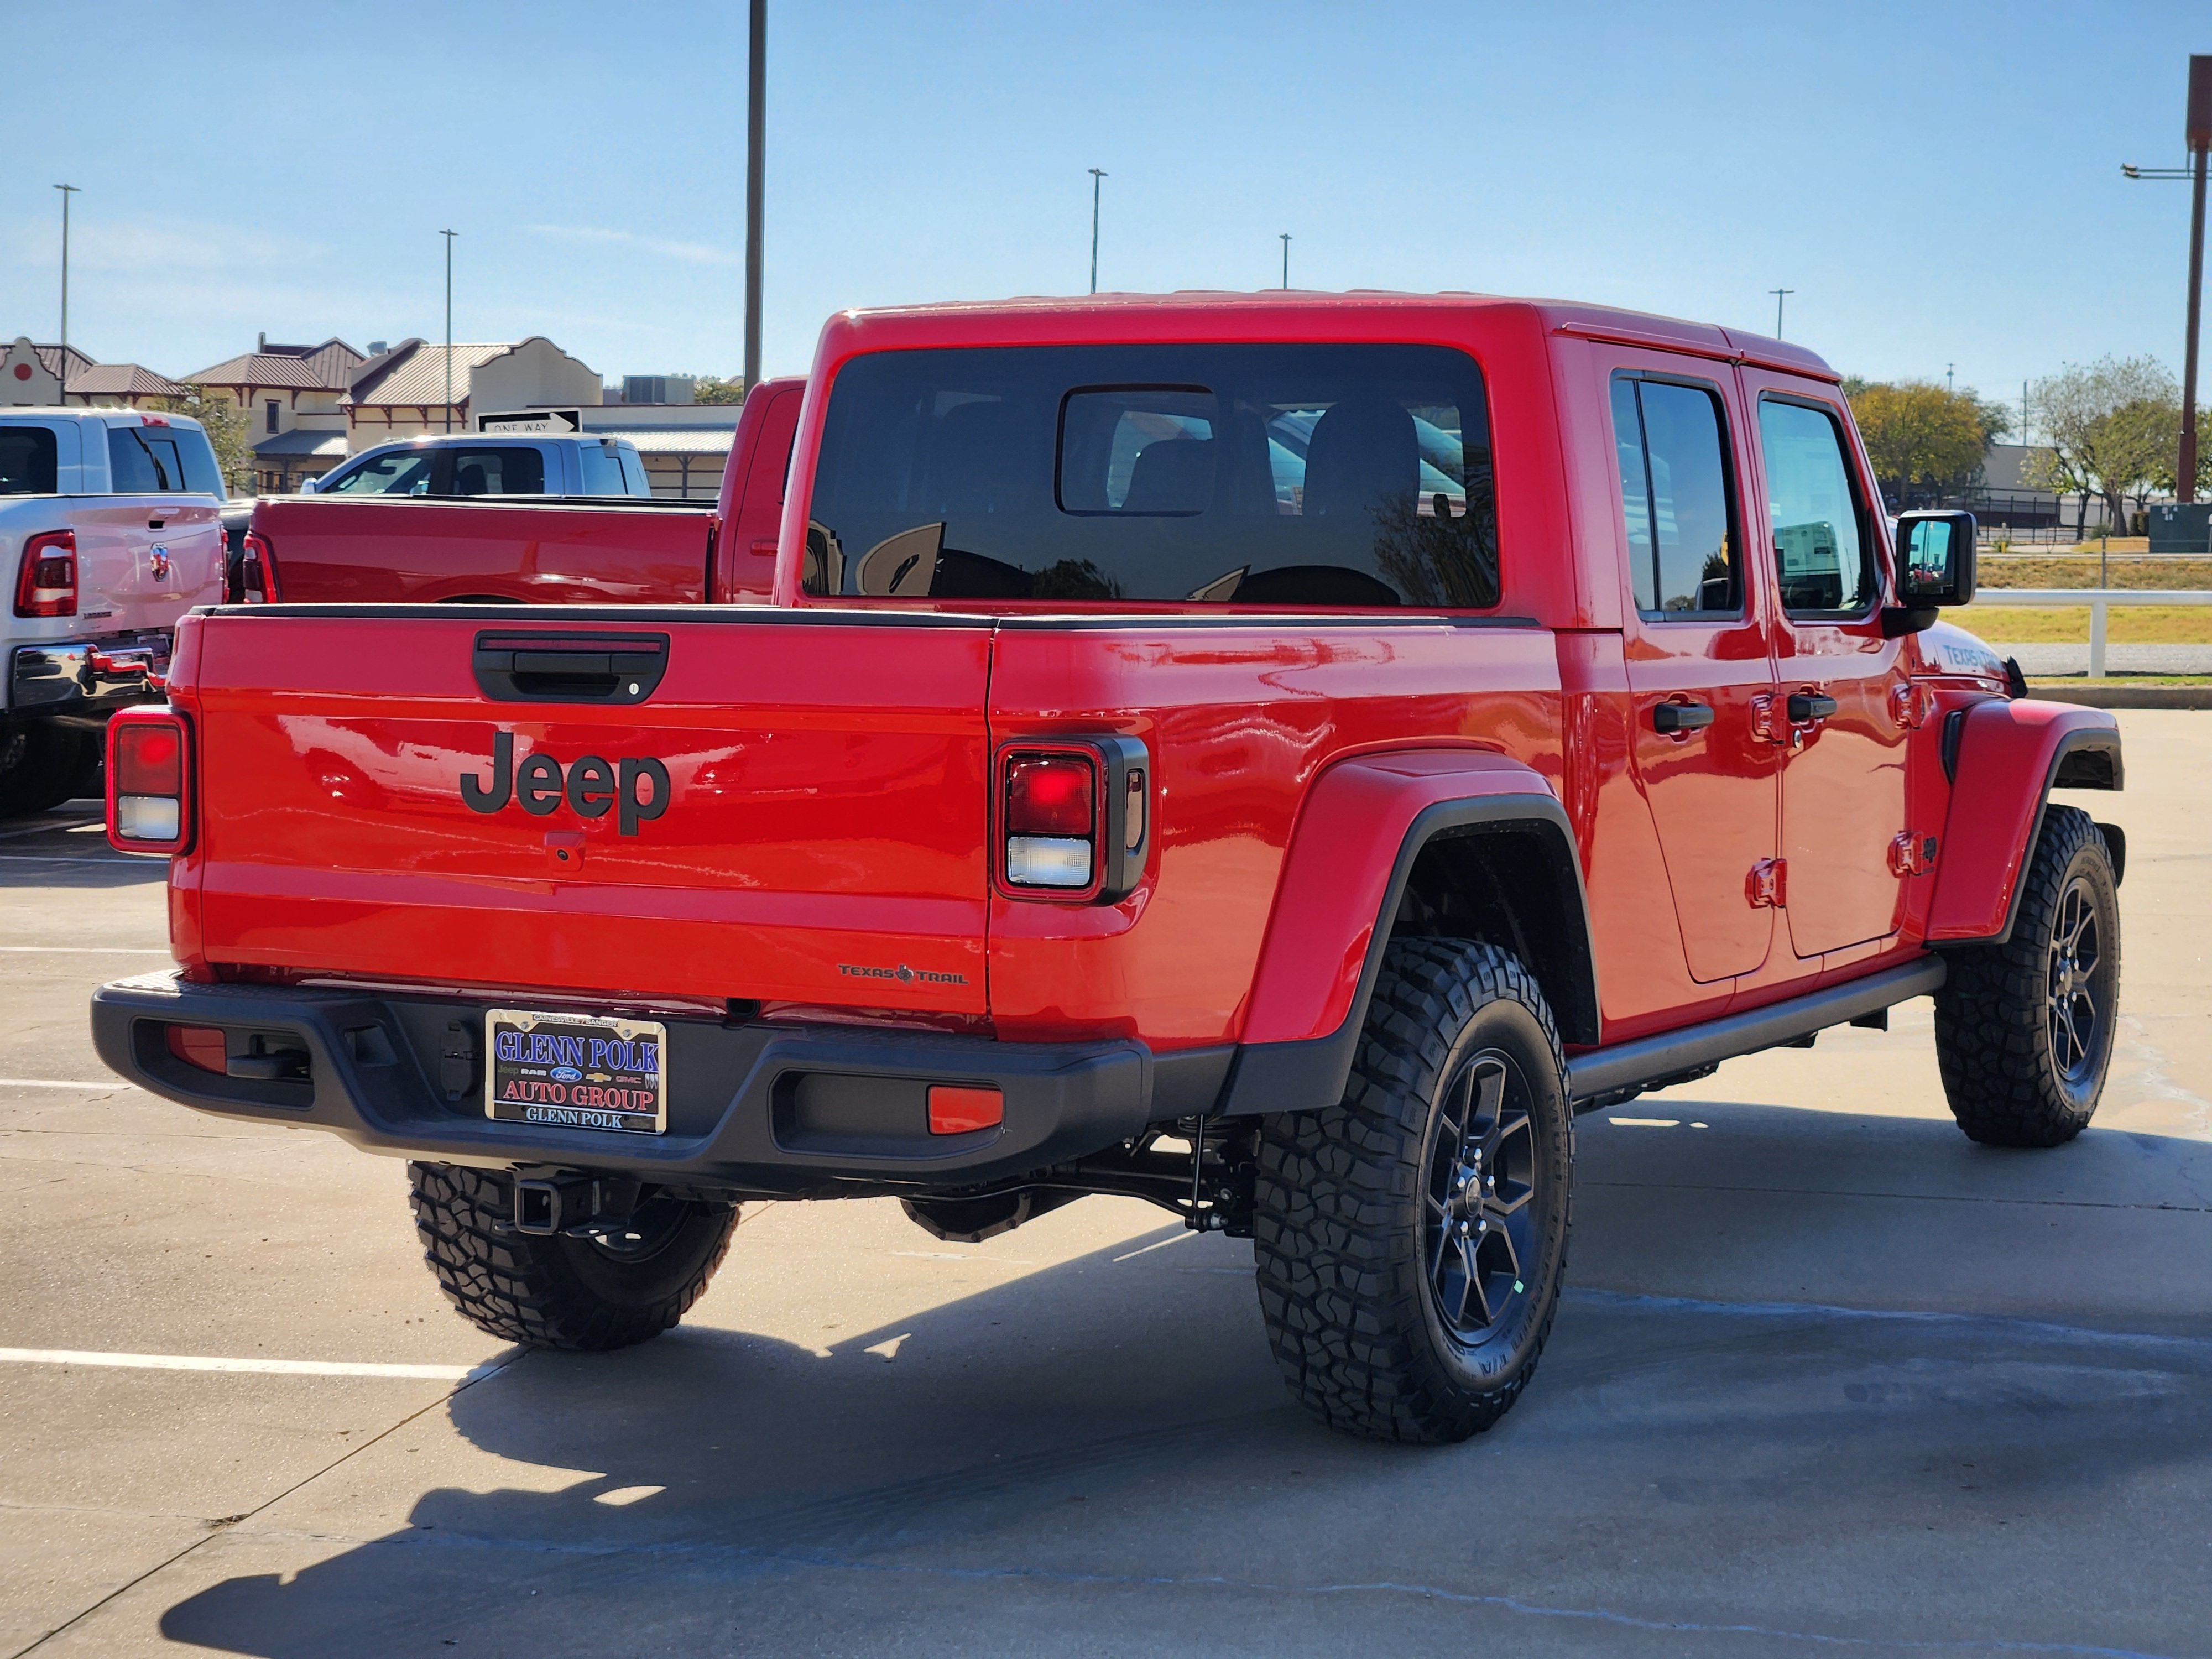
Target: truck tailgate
pixel 822 840
pixel 397 550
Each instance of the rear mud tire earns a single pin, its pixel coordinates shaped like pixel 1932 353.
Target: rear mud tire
pixel 1362 1209
pixel 557 1291
pixel 2024 1030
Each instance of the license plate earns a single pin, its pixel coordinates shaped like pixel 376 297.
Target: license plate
pixel 576 1072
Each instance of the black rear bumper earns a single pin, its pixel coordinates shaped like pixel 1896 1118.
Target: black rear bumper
pixel 752 1108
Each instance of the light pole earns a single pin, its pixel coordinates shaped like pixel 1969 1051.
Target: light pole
pixel 1950 380
pixel 1097 174
pixel 755 182
pixel 1287 260
pixel 1778 292
pixel 67 191
pixel 2198 131
pixel 449 235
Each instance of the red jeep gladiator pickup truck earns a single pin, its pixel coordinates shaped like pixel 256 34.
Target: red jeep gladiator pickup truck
pixel 464 548
pixel 1276 756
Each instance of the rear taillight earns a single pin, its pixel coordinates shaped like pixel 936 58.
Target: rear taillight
pixel 1051 820
pixel 1074 817
pixel 45 582
pixel 148 781
pixel 256 571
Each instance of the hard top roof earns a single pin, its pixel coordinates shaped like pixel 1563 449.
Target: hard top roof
pixel 1078 315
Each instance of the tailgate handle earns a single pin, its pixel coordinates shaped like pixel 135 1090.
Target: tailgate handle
pixel 551 667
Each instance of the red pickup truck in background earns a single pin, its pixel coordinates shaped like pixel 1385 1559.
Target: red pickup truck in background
pixel 1276 757
pixel 492 550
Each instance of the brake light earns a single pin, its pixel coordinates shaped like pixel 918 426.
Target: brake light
pixel 256 571
pixel 1051 820
pixel 45 583
pixel 148 781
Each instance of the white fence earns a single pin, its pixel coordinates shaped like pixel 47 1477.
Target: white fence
pixel 2098 600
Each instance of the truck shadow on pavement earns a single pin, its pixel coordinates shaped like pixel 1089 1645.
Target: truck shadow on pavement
pixel 1820 1377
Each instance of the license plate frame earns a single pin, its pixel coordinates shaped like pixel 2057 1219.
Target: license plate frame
pixel 558 1078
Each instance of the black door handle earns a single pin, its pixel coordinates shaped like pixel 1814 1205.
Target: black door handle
pixel 569 667
pixel 1681 717
pixel 1806 707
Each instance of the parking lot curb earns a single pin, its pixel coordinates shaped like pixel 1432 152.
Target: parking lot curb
pixel 2127 696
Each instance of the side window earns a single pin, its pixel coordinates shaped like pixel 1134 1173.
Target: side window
pixel 28 462
pixel 402 472
pixel 1671 441
pixel 502 472
pixel 1821 553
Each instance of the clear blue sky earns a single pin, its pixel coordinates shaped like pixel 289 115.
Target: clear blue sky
pixel 1939 183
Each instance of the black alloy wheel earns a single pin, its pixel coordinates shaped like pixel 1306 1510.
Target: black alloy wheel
pixel 2079 999
pixel 1482 1176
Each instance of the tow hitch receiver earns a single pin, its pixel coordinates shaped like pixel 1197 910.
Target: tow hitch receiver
pixel 583 1207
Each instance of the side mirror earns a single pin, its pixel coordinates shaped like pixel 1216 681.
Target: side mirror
pixel 1935 567
pixel 1935 558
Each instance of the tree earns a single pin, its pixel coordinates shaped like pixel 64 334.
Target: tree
pixel 713 389
pixel 225 423
pixel 1917 431
pixel 2167 474
pixel 2112 426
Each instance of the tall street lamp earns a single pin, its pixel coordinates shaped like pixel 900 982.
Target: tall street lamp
pixel 2198 130
pixel 449 235
pixel 1097 175
pixel 1778 292
pixel 67 191
pixel 755 180
pixel 1287 260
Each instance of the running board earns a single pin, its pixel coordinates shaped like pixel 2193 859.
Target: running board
pixel 1647 1061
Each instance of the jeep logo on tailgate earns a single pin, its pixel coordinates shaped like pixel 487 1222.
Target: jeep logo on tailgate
pixel 590 786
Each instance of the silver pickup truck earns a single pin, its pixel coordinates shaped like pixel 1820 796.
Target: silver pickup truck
pixel 109 533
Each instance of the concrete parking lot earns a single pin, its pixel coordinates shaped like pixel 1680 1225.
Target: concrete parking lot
pixel 1829 1377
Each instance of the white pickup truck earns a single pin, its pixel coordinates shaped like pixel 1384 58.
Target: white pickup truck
pixel 109 533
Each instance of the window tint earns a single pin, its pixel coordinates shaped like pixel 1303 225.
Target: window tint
pixel 1825 564
pixel 1258 474
pixel 141 462
pixel 601 466
pixel 28 464
pixel 506 472
pixel 202 476
pixel 402 472
pixel 1672 446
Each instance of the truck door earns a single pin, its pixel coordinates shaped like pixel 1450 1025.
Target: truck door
pixel 1699 648
pixel 1841 683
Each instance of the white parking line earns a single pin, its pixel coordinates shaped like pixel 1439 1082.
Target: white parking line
pixel 61 1082
pixel 52 829
pixel 185 1362
pixel 86 949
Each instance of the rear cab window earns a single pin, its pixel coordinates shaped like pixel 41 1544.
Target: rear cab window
pixel 1351 476
pixel 500 469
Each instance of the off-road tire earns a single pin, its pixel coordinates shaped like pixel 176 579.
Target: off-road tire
pixel 42 764
pixel 1342 1234
pixel 557 1291
pixel 2007 1082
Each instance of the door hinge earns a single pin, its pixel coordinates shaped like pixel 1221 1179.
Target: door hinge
pixel 1768 884
pixel 1912 854
pixel 1762 718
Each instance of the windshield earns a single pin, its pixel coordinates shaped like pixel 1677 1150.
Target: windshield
pixel 1297 475
pixel 403 472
